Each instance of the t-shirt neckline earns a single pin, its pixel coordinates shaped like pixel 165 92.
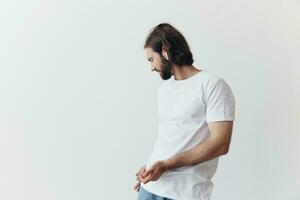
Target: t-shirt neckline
pixel 187 79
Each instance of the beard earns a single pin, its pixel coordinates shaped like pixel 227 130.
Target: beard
pixel 166 67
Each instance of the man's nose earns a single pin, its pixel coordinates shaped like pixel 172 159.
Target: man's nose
pixel 152 68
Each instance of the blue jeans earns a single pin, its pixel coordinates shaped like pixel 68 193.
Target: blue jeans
pixel 146 195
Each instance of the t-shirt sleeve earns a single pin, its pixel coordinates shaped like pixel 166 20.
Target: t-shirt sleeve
pixel 220 102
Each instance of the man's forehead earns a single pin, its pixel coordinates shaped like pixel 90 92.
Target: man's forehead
pixel 149 52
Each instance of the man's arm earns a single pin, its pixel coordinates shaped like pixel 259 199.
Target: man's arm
pixel 216 145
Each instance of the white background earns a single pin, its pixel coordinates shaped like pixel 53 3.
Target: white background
pixel 78 110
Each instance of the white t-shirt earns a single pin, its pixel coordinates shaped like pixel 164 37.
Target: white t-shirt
pixel 185 107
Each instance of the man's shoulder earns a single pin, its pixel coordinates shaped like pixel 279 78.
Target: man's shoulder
pixel 210 77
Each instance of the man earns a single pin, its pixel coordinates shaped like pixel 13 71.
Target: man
pixel 196 114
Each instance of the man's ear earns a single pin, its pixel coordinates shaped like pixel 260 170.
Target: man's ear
pixel 164 53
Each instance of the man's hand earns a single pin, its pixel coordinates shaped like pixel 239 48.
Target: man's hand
pixel 154 172
pixel 138 178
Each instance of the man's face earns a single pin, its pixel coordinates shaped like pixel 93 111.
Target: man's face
pixel 159 63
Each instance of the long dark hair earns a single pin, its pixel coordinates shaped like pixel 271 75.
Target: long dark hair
pixel 165 35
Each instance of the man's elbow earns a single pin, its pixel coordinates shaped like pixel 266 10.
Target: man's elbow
pixel 224 150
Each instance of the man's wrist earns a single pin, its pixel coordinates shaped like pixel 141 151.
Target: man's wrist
pixel 167 164
pixel 179 160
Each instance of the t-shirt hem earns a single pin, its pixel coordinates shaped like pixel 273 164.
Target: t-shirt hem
pixel 221 119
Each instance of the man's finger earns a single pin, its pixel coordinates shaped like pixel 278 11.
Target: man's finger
pixel 142 169
pixel 146 173
pixel 140 172
pixel 147 179
pixel 137 185
pixel 138 189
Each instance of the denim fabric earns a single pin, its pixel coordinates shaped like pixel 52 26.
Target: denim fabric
pixel 145 195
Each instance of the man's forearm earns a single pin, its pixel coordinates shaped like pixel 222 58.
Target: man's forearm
pixel 202 152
